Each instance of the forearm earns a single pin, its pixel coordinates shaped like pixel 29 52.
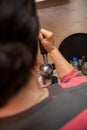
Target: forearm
pixel 63 67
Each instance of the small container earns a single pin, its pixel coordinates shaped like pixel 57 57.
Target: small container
pixel 83 58
pixel 80 63
pixel 84 68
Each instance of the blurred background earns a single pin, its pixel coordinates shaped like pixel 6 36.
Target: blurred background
pixel 63 17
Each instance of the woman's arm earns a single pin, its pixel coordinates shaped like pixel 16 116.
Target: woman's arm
pixel 63 67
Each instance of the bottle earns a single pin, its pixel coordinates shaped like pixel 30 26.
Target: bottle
pixel 75 63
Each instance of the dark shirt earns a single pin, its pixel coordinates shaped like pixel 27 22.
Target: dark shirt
pixel 64 109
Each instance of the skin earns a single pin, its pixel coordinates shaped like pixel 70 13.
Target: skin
pixel 63 67
pixel 34 92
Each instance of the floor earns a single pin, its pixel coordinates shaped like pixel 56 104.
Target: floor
pixel 63 17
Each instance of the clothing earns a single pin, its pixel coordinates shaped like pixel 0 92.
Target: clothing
pixel 64 109
pixel 72 79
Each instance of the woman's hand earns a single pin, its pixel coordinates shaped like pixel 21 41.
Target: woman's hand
pixel 63 67
pixel 47 40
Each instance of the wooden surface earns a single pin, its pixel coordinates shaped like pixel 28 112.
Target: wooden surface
pixel 63 17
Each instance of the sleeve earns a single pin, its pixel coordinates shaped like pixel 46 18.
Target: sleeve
pixel 72 79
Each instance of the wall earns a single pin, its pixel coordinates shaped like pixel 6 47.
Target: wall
pixel 63 17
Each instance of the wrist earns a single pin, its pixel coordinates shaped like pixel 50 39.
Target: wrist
pixel 53 51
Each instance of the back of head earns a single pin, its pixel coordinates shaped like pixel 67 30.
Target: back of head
pixel 19 29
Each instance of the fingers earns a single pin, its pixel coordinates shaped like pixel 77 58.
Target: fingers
pixel 47 40
pixel 46 34
pixel 41 36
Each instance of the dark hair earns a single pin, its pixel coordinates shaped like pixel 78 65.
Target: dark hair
pixel 19 29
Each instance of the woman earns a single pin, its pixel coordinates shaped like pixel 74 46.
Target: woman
pixel 24 104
